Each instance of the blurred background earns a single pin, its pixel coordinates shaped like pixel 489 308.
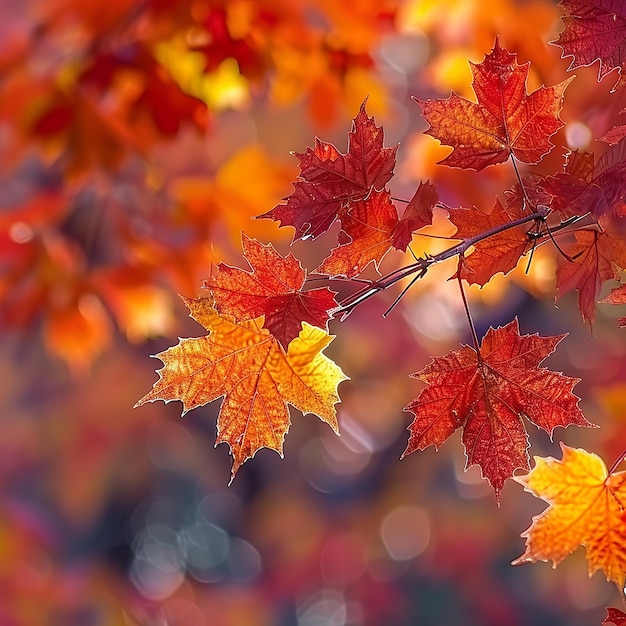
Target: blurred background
pixel 137 139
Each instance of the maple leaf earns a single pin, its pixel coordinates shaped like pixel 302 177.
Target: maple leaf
pixel 366 236
pixel 587 506
pixel 272 289
pixel 615 135
pixel 531 196
pixel 506 121
pixel 418 213
pixel 498 253
pixel 572 190
pixel 370 228
pixel 591 262
pixel 257 377
pixel 585 187
pixel 487 394
pixel 617 296
pixel 614 616
pixel 330 180
pixel 595 30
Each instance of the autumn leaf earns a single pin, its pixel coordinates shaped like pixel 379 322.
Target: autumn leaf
pixel 77 331
pixel 506 121
pixel 89 137
pixel 370 228
pixel 159 101
pixel 530 195
pixel 587 507
pixel 366 236
pixel 590 264
pixel 487 394
pixel 242 362
pixel 595 30
pixel 330 180
pixel 572 192
pixel 614 616
pixel 617 296
pixel 272 289
pixel 498 253
pixel 588 187
pixel 418 213
pixel 615 135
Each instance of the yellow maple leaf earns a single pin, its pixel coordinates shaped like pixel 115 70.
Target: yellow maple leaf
pixel 587 507
pixel 244 363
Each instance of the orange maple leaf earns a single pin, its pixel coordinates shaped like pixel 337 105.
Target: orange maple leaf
pixel 487 393
pixel 505 122
pixel 370 228
pixel 366 235
pixel 498 253
pixel 418 213
pixel 257 377
pixel 587 507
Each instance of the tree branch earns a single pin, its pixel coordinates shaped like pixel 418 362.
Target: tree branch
pixel 421 265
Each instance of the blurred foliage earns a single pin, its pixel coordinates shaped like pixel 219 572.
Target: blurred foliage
pixel 137 139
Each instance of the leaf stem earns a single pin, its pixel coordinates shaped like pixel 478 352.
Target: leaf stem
pixel 466 305
pixel 619 459
pixel 527 201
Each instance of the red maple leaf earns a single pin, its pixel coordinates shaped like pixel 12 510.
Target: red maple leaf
pixel 532 196
pixel 595 30
pixel 505 122
pixel 370 228
pixel 614 616
pixel 571 190
pixel 418 213
pixel 615 135
pixel 498 253
pixel 591 262
pixel 330 180
pixel 617 296
pixel 365 237
pixel 587 187
pixel 274 289
pixel 487 393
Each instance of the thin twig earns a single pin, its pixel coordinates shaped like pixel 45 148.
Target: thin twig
pixel 401 295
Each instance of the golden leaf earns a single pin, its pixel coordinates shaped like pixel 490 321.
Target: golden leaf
pixel 257 378
pixel 587 507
